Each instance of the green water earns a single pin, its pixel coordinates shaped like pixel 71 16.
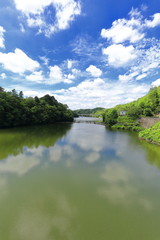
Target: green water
pixel 78 181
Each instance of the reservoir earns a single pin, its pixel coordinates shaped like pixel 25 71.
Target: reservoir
pixel 78 181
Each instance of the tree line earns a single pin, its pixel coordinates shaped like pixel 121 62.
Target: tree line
pixel 15 110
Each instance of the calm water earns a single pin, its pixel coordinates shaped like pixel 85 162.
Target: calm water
pixel 78 181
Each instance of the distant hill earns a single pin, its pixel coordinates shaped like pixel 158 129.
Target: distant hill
pixel 88 111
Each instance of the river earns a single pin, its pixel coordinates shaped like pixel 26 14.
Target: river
pixel 78 181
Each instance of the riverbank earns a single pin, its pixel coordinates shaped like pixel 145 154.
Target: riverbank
pixel 151 134
pixel 148 129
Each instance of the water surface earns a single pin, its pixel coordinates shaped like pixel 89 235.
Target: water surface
pixel 78 181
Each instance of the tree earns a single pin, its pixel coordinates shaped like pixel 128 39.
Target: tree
pixel 111 117
pixel 18 111
pixel 134 112
pixel 1 89
pixel 21 94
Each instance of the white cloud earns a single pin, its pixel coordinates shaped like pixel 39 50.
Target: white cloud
pixel 71 63
pixel 22 29
pixel 154 22
pixel 122 31
pixel 45 60
pixel 119 55
pixel 76 71
pixel 141 76
pixel 147 63
pixel 18 62
pixel 36 77
pixel 56 76
pixel 70 76
pixel 35 22
pixel 131 29
pixel 100 93
pixel 33 93
pixel 94 71
pixel 31 7
pixel 156 83
pixel 2 31
pixel 126 78
pixel 125 30
pixel 65 12
pixel 3 75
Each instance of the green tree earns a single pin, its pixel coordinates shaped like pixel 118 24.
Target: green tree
pixel 111 117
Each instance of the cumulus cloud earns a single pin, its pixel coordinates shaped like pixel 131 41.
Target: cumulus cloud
pixel 119 55
pixel 56 76
pixel 147 63
pixel 2 31
pixel 154 22
pixel 22 29
pixel 94 71
pixel 18 62
pixel 35 77
pixel 71 63
pixel 65 13
pixel 124 44
pixel 125 29
pixel 156 83
pixel 100 92
pixel 131 29
pixel 126 78
pixel 141 76
pixel 3 75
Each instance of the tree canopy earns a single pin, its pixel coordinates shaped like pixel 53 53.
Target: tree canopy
pixel 15 110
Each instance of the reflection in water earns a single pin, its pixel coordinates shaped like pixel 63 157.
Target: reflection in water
pixel 12 141
pixel 152 153
pixel 121 187
pixel 78 181
pixel 38 224
pixel 19 165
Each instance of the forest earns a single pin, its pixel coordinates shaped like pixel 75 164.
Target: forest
pixel 16 110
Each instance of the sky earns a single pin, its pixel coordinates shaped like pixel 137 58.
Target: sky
pixel 87 53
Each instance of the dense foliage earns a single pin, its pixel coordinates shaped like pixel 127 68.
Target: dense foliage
pixel 15 110
pixel 148 105
pixel 151 134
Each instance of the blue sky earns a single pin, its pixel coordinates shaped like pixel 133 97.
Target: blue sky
pixel 87 53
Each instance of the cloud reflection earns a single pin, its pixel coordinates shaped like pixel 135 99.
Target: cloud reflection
pixel 120 187
pixel 57 223
pixel 20 164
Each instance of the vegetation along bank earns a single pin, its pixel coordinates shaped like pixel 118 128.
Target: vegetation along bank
pixel 15 110
pixel 128 116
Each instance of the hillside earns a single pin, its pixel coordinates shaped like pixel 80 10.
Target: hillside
pixel 15 110
pixel 147 106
